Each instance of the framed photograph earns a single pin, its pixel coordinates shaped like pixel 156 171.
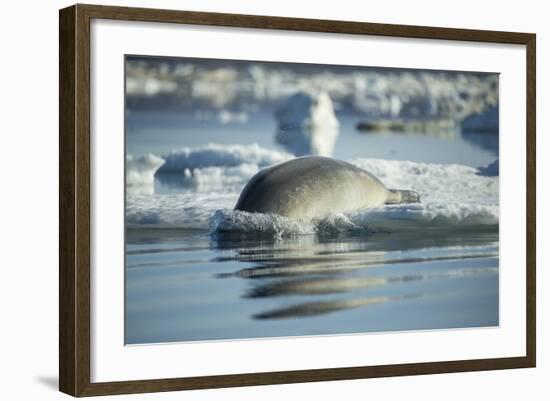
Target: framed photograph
pixel 250 200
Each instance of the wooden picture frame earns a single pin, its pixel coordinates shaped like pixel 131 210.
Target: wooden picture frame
pixel 74 200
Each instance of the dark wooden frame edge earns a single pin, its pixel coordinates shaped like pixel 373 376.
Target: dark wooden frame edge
pixel 74 199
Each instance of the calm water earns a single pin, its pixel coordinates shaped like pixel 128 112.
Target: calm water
pixel 182 285
pixel 186 284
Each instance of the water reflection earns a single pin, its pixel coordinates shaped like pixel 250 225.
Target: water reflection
pixel 319 308
pixel 367 271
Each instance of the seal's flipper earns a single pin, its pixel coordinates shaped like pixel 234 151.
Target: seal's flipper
pixel 397 196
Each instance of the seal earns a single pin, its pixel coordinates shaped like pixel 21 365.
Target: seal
pixel 315 186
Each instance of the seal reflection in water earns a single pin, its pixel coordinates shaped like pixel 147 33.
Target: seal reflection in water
pixel 314 187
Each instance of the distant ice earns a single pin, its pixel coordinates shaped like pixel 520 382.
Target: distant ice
pixel 150 86
pixel 208 167
pixel 228 117
pixel 215 155
pixel 211 178
pixel 307 124
pixel 140 170
pixel 375 93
